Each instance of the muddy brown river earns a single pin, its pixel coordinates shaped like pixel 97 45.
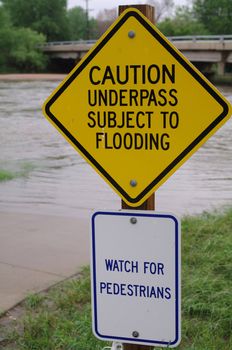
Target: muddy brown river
pixel 50 177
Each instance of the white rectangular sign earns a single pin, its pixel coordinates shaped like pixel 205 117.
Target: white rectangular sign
pixel 136 277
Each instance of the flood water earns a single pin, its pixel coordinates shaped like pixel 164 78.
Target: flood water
pixel 50 177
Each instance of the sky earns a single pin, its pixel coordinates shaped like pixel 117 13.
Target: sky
pixel 98 5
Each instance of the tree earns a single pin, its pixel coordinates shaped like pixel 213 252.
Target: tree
pixel 163 8
pixel 4 17
pixel 80 27
pixel 47 17
pixel 104 19
pixel 25 54
pixel 19 47
pixel 216 15
pixel 5 37
pixel 182 23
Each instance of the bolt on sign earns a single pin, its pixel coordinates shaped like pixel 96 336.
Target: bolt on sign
pixel 136 277
pixel 136 108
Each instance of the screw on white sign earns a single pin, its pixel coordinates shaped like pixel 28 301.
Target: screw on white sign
pixel 136 277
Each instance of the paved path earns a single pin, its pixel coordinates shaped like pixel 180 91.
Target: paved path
pixel 37 251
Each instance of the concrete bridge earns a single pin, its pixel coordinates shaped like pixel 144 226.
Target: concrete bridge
pixel 208 53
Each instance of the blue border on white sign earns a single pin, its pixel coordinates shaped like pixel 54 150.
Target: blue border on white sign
pixel 176 341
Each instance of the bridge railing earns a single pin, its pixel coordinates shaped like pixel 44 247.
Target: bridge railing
pixel 195 38
pixel 192 38
pixel 75 42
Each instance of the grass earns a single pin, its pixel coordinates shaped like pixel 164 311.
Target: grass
pixel 60 318
pixel 25 169
pixel 207 282
pixel 57 319
pixel 6 175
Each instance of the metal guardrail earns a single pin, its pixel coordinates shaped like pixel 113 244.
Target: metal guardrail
pixel 77 42
pixel 193 38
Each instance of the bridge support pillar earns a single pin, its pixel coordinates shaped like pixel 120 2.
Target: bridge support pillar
pixel 222 64
pixel 221 68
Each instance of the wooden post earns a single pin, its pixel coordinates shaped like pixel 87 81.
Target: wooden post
pixel 147 10
pixel 149 204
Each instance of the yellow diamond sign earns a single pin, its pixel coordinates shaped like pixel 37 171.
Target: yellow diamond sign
pixel 136 108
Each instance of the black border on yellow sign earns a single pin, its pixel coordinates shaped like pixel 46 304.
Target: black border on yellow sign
pixel 185 65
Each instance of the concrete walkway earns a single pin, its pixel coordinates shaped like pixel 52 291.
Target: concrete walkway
pixel 37 251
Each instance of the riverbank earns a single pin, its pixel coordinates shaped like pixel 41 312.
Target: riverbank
pixel 61 316
pixel 222 80
pixel 31 77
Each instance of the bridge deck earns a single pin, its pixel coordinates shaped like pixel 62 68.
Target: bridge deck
pixel 211 49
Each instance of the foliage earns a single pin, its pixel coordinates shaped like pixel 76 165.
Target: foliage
pixel 216 15
pixel 4 17
pixel 20 50
pixel 79 26
pixel 183 23
pixel 61 317
pixel 47 17
pixel 25 54
pixel 19 47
